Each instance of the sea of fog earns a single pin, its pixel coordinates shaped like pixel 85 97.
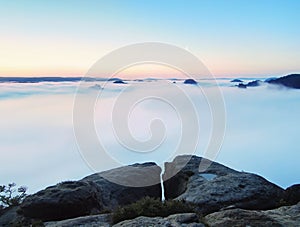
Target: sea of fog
pixel 39 148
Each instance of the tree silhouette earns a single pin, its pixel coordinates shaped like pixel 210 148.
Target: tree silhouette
pixel 11 196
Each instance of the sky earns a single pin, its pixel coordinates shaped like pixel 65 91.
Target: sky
pixel 233 38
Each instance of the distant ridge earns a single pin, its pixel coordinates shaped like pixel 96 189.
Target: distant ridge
pixel 51 79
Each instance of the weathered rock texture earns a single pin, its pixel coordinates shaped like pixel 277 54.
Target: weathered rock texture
pixel 103 220
pixel 223 196
pixel 93 194
pixel 218 187
pixel 175 220
pixel 288 216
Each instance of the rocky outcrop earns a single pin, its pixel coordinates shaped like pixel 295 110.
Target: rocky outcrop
pixel 283 216
pixel 291 81
pixel 190 81
pixel 188 220
pixel 241 85
pixel 93 194
pixel 254 83
pixel 127 184
pixel 225 197
pixel 119 82
pixel 218 187
pixel 65 200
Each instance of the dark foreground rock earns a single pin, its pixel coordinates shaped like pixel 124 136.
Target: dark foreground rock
pixel 219 187
pixel 223 196
pixel 65 200
pixel 93 194
pixel 291 81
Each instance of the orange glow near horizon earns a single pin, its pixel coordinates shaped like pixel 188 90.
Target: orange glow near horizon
pixel 150 71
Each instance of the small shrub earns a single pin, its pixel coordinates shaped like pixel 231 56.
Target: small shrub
pixel 10 196
pixel 151 207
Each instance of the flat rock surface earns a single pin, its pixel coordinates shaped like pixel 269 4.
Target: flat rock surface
pixel 288 216
pixel 188 220
pixel 92 221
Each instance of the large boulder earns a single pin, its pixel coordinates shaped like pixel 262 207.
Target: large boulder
pixel 62 201
pixel 127 184
pixel 291 81
pixel 283 216
pixel 95 193
pixel 218 186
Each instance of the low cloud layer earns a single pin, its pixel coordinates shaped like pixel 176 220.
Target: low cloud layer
pixel 38 146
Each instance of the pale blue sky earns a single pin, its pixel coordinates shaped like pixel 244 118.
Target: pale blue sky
pixel 231 37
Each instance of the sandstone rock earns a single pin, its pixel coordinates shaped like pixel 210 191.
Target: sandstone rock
pixel 286 215
pixel 144 179
pixel 283 217
pixel 65 200
pixel 210 186
pixel 94 193
pixel 102 220
pixel 239 217
pixel 175 220
pixel 218 186
pixel 144 221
